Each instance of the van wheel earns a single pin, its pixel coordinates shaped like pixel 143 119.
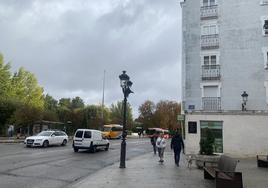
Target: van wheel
pixel 94 149
pixel 76 150
pixel 107 147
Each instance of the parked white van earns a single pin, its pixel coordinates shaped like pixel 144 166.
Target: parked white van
pixel 89 139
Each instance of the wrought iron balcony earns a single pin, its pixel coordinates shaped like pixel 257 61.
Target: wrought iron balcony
pixel 209 12
pixel 264 2
pixel 211 72
pixel 211 103
pixel 210 42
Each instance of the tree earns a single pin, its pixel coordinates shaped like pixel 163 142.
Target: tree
pixel 117 114
pixel 5 79
pixel 65 102
pixel 146 117
pixel 7 105
pixel 29 94
pixel 77 102
pixel 26 89
pixel 50 109
pixel 166 114
pixel 93 116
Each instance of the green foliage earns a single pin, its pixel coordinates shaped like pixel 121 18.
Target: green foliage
pixel 5 79
pixel 26 89
pixel 22 102
pixel 117 114
pixel 147 110
pixel 207 143
pixel 163 114
pixel 77 102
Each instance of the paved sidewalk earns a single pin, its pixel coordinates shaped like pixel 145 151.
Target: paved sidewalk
pixel 145 171
pixel 11 140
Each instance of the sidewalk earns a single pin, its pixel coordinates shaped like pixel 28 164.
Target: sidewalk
pixel 145 171
pixel 10 140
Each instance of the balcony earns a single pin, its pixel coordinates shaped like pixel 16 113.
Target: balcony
pixel 211 72
pixel 209 12
pixel 211 103
pixel 264 2
pixel 210 42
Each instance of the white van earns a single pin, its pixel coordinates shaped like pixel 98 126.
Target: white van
pixel 89 139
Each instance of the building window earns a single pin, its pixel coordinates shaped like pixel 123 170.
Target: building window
pixel 216 128
pixel 265 56
pixel 207 3
pixel 264 20
pixel 264 2
pixel 209 29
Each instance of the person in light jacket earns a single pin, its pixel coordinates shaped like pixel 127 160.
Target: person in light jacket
pixel 161 145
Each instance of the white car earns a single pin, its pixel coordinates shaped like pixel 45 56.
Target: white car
pixel 89 139
pixel 47 138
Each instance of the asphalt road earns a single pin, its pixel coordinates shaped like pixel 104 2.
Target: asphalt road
pixel 57 167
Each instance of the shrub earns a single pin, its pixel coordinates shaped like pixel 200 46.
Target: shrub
pixel 207 143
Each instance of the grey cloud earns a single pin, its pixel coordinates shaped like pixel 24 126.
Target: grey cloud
pixel 68 44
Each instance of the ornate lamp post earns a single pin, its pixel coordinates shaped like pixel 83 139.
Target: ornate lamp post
pixel 126 85
pixel 244 99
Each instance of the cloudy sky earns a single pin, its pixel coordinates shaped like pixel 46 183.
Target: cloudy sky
pixel 68 44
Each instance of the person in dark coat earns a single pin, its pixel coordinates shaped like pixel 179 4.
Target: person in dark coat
pixel 177 144
pixel 153 142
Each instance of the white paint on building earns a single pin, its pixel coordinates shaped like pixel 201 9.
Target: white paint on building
pixel 225 52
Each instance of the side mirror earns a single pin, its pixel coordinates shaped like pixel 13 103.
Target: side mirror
pixel 53 135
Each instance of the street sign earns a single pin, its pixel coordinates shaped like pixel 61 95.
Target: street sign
pixel 180 117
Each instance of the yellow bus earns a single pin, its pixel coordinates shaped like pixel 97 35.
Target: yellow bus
pixel 112 131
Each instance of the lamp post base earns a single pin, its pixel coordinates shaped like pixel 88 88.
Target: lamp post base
pixel 123 154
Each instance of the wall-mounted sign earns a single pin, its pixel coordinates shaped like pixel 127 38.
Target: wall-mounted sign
pixel 192 127
pixel 191 107
pixel 180 117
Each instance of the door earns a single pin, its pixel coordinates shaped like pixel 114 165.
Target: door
pixel 87 139
pixel 216 128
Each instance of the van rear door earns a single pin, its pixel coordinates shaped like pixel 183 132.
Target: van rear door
pixel 87 138
pixel 78 138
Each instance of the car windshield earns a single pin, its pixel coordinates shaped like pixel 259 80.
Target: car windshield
pixel 45 133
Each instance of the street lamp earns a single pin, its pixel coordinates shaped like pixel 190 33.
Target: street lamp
pixel 126 84
pixel 244 99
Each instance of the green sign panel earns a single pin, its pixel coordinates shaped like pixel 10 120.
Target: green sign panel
pixel 180 117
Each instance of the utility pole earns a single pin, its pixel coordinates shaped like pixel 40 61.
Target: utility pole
pixel 102 103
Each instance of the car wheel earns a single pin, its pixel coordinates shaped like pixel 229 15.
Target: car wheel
pixel 45 143
pixel 107 147
pixel 76 150
pixel 64 142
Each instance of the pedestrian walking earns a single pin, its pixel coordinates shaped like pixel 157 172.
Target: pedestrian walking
pixel 177 144
pixel 153 142
pixel 161 145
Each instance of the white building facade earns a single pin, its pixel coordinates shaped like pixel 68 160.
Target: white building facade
pixel 225 52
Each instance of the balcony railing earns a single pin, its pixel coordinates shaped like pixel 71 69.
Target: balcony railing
pixel 264 2
pixel 265 31
pixel 211 103
pixel 209 12
pixel 210 41
pixel 211 72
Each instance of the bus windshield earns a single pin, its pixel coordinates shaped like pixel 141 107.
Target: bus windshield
pixel 107 129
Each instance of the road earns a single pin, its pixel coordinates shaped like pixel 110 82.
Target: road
pixel 57 167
